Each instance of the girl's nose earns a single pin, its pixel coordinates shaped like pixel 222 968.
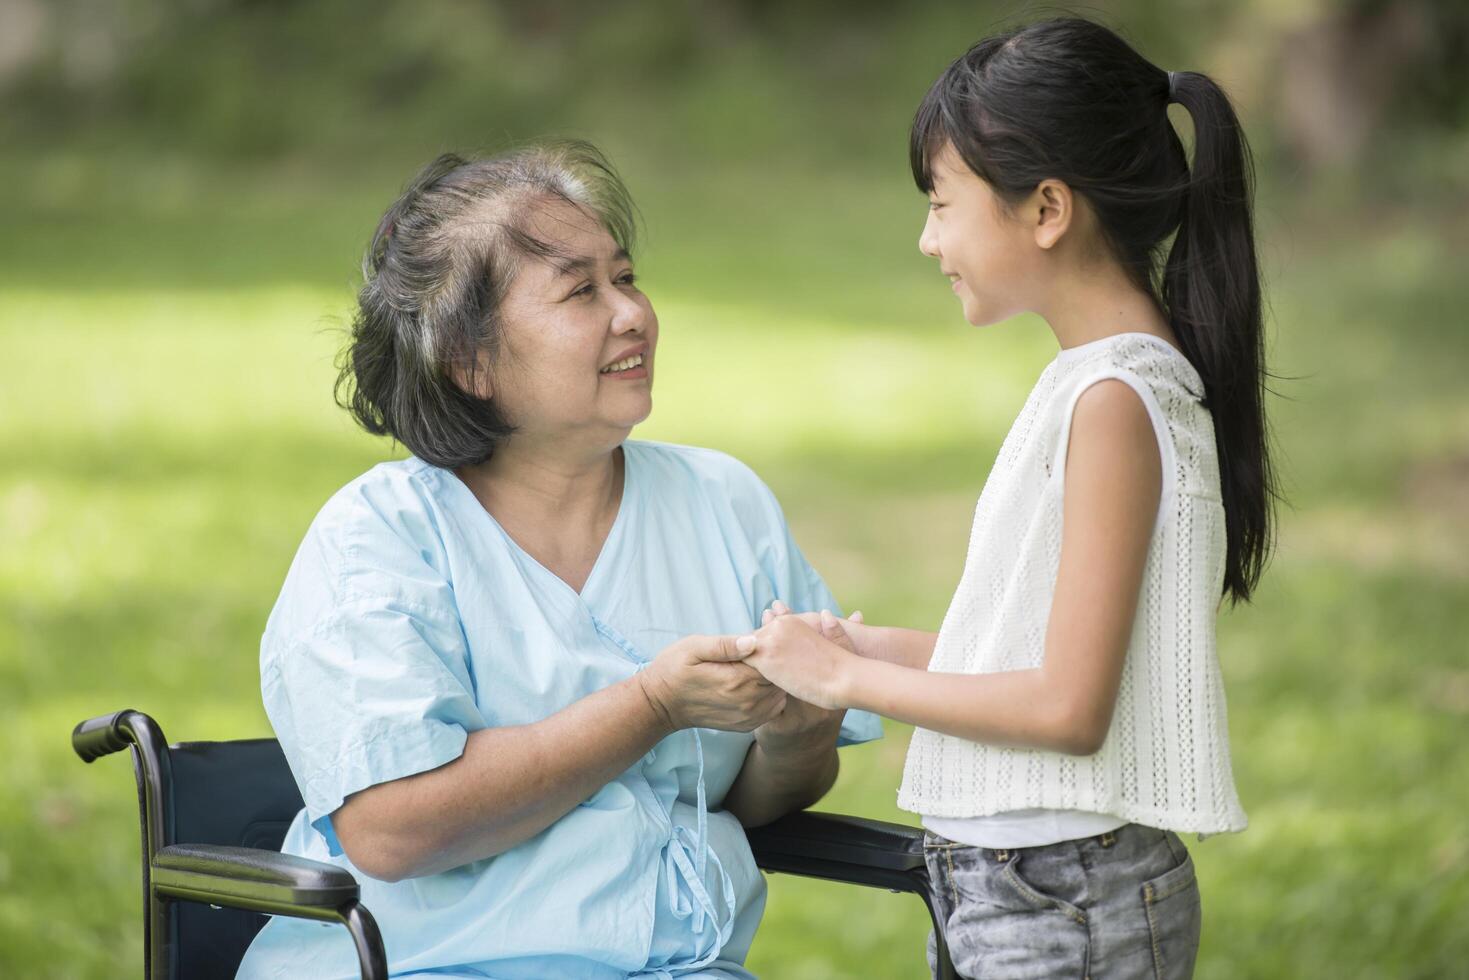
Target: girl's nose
pixel 928 239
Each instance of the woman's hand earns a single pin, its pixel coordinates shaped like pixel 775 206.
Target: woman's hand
pixel 700 682
pixel 802 661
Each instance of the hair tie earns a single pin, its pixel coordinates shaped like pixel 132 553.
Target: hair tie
pixel 1173 86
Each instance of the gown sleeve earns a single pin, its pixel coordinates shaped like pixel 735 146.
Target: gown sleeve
pixel 365 670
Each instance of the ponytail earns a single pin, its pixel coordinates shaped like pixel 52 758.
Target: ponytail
pixel 1211 295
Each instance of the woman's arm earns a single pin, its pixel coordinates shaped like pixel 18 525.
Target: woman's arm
pixel 781 776
pixel 1113 485
pixel 511 783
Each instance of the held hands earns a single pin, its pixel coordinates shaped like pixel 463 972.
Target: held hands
pixel 782 683
pixel 801 719
pixel 699 682
pixel 810 661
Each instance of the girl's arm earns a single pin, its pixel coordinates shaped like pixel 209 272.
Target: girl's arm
pixel 912 649
pixel 1113 485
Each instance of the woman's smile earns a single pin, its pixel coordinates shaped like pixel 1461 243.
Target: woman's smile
pixel 629 366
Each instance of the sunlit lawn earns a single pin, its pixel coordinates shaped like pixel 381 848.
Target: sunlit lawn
pixel 166 442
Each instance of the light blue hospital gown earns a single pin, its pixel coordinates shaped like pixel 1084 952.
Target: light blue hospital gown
pixel 409 618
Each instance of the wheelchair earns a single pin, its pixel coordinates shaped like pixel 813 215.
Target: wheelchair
pixel 213 815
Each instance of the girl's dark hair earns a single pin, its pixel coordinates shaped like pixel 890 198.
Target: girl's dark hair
pixel 1069 100
pixel 434 276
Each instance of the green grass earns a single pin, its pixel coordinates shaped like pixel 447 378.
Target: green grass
pixel 168 431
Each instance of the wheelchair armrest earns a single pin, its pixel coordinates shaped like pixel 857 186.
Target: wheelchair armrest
pixel 252 878
pixel 271 882
pixel 853 850
pixel 843 848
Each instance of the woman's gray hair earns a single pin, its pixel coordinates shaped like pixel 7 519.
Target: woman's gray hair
pixel 434 277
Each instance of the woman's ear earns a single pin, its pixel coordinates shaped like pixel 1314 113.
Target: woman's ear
pixel 474 379
pixel 1053 208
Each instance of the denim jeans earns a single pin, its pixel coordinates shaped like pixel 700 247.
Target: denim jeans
pixel 1121 904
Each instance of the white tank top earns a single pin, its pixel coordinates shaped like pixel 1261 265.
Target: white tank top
pixel 1165 761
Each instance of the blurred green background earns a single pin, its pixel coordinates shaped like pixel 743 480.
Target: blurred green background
pixel 185 188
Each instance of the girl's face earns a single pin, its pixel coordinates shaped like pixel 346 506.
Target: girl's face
pixel 988 254
pixel 578 336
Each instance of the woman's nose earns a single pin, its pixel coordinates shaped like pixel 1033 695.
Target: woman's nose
pixel 628 315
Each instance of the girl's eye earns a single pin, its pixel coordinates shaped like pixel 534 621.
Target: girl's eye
pixel 935 205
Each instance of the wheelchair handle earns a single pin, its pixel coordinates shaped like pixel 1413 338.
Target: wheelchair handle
pixel 96 737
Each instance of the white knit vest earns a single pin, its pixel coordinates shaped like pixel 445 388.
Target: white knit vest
pixel 1165 761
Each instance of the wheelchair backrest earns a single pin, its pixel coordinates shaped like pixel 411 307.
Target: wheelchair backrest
pixel 239 793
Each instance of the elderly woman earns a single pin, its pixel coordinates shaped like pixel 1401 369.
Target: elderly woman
pixel 502 670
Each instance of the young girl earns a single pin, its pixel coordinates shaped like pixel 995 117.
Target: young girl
pixel 1070 712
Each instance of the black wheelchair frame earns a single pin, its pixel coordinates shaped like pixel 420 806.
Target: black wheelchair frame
pixel 213 815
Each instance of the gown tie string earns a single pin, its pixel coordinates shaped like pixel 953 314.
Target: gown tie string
pixel 690 856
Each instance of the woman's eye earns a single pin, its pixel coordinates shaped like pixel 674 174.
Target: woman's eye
pixel 585 289
pixel 627 279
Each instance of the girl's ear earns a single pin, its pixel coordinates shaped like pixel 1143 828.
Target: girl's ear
pixel 1053 208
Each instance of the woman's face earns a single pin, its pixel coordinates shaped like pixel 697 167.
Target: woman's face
pixel 578 336
pixel 987 255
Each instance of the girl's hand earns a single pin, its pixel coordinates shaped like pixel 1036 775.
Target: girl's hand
pixel 801 723
pixel 858 637
pixel 700 682
pixel 800 660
